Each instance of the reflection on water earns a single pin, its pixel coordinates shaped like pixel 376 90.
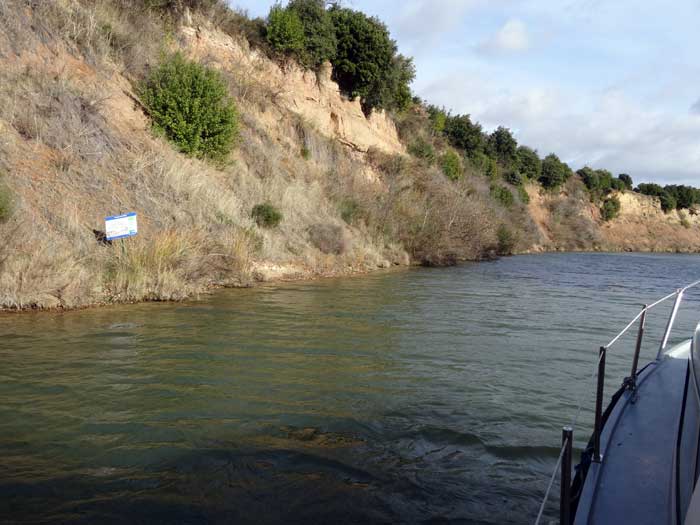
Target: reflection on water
pixel 425 395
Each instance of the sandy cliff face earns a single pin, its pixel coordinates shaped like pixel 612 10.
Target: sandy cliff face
pixel 313 96
pixel 567 220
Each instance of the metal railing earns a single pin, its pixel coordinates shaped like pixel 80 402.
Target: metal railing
pixel 564 461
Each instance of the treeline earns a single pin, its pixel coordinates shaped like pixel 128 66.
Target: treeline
pixel 367 65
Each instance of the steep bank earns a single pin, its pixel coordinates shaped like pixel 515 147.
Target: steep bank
pixel 76 146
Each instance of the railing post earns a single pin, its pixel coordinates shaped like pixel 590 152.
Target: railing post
pixel 565 495
pixel 599 405
pixel 638 348
pixel 669 325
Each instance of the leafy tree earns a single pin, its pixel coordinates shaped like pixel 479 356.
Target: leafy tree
pixel 503 146
pixel 464 134
pixel 617 184
pixel 626 179
pixel 590 178
pixel 554 172
pixel 529 163
pixel 610 209
pixel 668 202
pixel 319 33
pixel 367 64
pixel 190 105
pixel 285 32
pixel 450 165
pixel 650 189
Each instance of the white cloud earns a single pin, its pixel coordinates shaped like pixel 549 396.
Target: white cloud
pixel 512 37
pixel 601 129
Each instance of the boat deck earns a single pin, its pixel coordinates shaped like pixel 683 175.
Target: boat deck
pixel 633 482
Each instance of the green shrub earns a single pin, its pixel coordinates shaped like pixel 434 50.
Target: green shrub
pixel 529 163
pixel 422 149
pixel 464 134
pixel 513 177
pixel 491 170
pixel 626 180
pixel 506 240
pixel 610 209
pixel 285 32
pixel 523 195
pixel 319 33
pixel 190 105
pixel 266 215
pixel 554 172
pixel 305 153
pixel 6 204
pixel 450 165
pixel 350 211
pixel 503 195
pixel 668 202
pixel 367 65
pixel 502 146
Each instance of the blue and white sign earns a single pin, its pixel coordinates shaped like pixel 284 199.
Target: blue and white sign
pixel 120 226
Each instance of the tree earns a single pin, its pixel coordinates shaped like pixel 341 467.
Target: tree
pixel 626 179
pixel 285 32
pixel 529 163
pixel 464 135
pixel 554 172
pixel 319 34
pixel 590 178
pixel 668 202
pixel 438 118
pixel 367 65
pixel 503 146
pixel 190 105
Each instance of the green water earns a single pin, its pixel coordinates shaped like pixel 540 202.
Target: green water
pixel 421 395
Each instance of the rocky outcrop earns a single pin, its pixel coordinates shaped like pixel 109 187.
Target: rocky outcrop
pixel 314 96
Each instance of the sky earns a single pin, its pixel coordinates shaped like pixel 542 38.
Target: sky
pixel 611 84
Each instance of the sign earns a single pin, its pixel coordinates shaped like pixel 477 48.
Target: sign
pixel 120 226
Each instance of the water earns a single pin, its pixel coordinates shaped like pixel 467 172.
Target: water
pixel 426 395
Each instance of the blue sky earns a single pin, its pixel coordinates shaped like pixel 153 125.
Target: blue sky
pixel 612 84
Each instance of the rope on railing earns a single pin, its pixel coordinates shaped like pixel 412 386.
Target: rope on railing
pixel 551 483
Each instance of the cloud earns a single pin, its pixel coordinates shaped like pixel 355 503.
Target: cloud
pixel 695 108
pixel 607 129
pixel 512 37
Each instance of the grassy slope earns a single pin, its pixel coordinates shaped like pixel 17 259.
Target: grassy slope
pixel 75 146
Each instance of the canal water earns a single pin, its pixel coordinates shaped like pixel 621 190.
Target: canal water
pixel 426 395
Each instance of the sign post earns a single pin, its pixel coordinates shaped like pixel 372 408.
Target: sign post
pixel 121 226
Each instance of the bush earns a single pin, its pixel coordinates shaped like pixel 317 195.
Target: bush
pixel 464 134
pixel 6 205
pixel 450 165
pixel 554 172
pixel 422 149
pixel 668 202
pixel 610 209
pixel 502 146
pixel 523 195
pixel 626 180
pixel 503 195
pixel 513 177
pixel 350 211
pixel 190 105
pixel 285 32
pixel 506 240
pixel 328 238
pixel 529 163
pixel 266 215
